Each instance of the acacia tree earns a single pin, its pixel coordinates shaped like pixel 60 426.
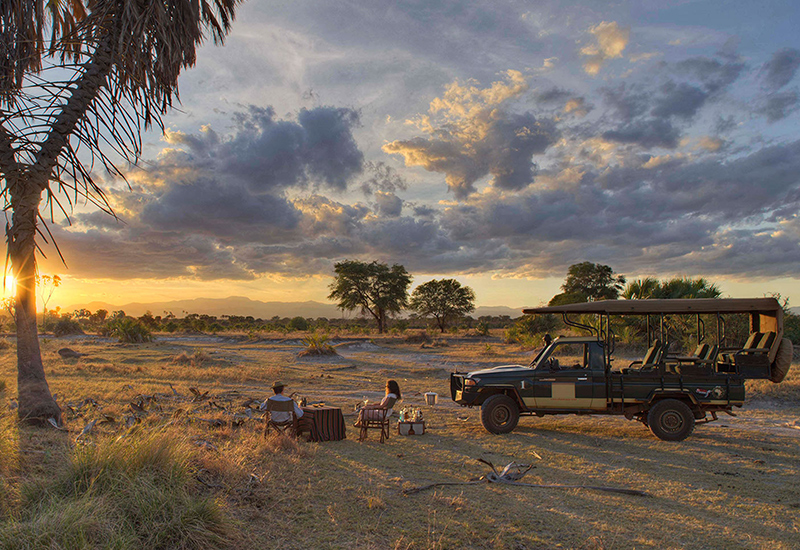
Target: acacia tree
pixel 373 288
pixel 80 80
pixel 443 300
pixel 588 282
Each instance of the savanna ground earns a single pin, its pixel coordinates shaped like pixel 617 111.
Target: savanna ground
pixel 733 484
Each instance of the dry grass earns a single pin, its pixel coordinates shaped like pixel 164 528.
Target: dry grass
pixel 733 484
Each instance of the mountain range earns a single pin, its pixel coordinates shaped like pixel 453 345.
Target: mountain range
pixel 240 305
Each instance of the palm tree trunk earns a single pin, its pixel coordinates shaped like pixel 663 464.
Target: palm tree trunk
pixel 36 403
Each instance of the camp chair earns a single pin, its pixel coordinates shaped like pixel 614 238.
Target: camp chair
pixel 286 427
pixel 377 418
pixel 652 358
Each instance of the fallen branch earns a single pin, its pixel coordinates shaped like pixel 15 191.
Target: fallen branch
pixel 511 475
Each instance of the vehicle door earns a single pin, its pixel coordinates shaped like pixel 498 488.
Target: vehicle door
pixel 564 380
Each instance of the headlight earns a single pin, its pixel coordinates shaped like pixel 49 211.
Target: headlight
pixel 469 382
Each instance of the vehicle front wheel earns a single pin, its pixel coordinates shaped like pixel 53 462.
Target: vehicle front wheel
pixel 671 420
pixel 499 414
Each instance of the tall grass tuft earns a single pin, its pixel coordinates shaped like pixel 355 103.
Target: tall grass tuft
pixel 129 493
pixel 317 344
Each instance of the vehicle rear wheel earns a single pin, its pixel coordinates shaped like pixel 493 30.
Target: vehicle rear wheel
pixel 671 420
pixel 499 414
pixel 782 361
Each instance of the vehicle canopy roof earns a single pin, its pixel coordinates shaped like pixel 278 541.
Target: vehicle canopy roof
pixel 686 306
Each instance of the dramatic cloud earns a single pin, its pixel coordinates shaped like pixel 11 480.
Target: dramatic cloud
pixel 780 70
pixel 683 161
pixel 474 134
pixel 267 153
pixel 609 43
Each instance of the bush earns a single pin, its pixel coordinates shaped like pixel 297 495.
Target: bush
pixel 536 324
pixel 67 327
pixel 482 328
pixel 791 329
pixel 127 330
pixel 420 337
pixel 298 323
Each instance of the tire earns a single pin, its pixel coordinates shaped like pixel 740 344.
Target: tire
pixel 499 414
pixel 671 420
pixel 783 361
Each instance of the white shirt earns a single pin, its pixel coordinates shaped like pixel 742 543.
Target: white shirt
pixel 281 416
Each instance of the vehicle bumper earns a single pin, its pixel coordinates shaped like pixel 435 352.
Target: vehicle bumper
pixel 458 392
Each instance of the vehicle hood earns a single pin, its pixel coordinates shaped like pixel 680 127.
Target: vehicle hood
pixel 499 370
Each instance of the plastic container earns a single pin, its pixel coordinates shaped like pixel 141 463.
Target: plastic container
pixel 431 397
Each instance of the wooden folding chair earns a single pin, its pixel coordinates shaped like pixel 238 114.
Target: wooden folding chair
pixel 287 427
pixel 377 418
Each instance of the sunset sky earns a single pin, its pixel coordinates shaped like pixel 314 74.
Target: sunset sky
pixel 492 141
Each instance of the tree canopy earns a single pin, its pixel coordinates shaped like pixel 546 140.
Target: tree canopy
pixel 588 282
pixel 374 288
pixel 444 300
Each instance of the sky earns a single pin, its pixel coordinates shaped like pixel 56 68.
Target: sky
pixel 495 142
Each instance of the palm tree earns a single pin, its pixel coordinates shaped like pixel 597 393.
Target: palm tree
pixel 641 289
pixel 108 71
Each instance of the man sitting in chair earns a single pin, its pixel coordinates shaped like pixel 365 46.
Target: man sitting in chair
pixel 282 417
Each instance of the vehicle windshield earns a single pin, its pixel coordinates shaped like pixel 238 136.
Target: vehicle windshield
pixel 563 356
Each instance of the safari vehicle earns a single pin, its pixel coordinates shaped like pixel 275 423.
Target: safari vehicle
pixel 669 393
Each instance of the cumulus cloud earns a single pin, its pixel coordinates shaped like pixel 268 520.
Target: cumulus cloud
pixel 609 42
pixel 472 133
pixel 205 203
pixel 781 68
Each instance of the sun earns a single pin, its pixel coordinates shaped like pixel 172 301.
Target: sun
pixel 9 285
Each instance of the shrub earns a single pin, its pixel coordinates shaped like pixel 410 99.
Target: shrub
pixel 482 328
pixel 298 323
pixel 128 330
pixel 420 337
pixel 169 326
pixel 66 327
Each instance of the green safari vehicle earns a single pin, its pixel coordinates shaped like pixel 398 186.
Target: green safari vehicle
pixel 668 392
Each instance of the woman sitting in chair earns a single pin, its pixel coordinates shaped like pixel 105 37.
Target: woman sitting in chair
pixel 375 411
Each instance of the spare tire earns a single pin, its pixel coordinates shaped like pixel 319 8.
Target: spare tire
pixel 783 360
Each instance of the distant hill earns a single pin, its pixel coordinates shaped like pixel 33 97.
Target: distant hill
pixel 240 305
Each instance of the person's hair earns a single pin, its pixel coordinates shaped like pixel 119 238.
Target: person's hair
pixel 278 390
pixel 394 388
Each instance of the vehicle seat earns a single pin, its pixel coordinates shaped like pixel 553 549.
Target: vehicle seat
pixel 651 359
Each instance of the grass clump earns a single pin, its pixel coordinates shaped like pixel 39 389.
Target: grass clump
pixel 317 344
pixel 197 359
pixel 129 493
